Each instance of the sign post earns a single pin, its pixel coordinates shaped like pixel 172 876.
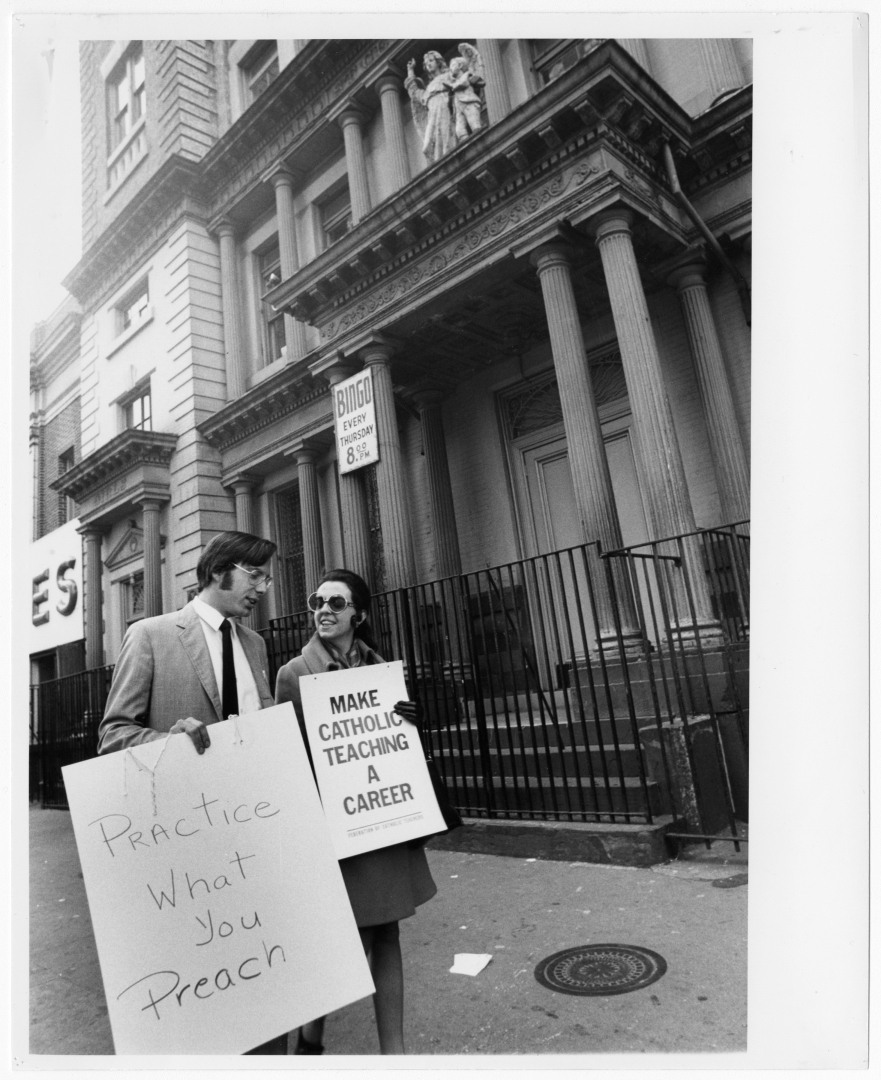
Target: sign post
pixel 354 415
pixel 369 763
pixel 218 906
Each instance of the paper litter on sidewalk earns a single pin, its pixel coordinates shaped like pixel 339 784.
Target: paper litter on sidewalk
pixel 470 963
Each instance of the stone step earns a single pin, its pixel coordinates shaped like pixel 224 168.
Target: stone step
pixel 532 793
pixel 552 760
pixel 608 843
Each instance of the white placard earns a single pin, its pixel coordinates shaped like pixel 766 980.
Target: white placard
pixel 217 902
pixel 56 561
pixel 354 416
pixel 369 763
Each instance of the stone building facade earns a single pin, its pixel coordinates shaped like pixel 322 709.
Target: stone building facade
pixel 555 311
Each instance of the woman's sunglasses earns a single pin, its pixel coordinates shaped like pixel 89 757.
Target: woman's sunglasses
pixel 335 602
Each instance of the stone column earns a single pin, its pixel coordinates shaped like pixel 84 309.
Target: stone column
pixel 243 488
pixel 498 100
pixel 350 121
pixel 306 455
pixel 657 447
pixel 587 452
pixel 236 376
pixel 726 441
pixel 721 65
pixel 150 509
pixel 283 182
pixel 389 89
pixel 93 536
pixel 396 540
pixel 637 49
pixel 353 498
pixel 440 494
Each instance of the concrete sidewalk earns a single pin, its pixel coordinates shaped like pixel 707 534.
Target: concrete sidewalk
pixel 519 910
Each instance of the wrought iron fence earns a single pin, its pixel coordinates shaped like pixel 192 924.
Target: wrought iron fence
pixel 65 714
pixel 581 685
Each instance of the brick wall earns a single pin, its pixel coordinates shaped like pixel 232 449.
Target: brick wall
pixel 58 435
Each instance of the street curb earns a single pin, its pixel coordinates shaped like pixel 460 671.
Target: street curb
pixel 562 841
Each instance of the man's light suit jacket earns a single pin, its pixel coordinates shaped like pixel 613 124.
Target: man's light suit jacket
pixel 164 674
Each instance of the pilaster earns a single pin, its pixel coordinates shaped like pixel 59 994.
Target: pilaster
pixel 389 88
pixel 726 441
pixel 353 499
pixel 283 181
pixel 440 494
pixel 587 454
pixel 305 453
pixel 498 100
pixel 94 596
pixel 236 376
pixel 350 121
pixel 150 511
pixel 396 537
pixel 657 448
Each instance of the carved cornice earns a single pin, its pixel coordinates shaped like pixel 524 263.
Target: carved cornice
pixel 114 459
pixel 606 96
pixel 263 405
pixel 174 189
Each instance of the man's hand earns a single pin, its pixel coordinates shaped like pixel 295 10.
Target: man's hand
pixel 196 730
pixel 410 710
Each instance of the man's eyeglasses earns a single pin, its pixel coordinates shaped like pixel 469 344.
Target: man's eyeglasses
pixel 256 577
pixel 335 603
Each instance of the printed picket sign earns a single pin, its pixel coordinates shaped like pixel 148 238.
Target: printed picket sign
pixel 369 763
pixel 217 902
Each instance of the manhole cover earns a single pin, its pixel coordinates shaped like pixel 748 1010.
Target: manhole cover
pixel 600 969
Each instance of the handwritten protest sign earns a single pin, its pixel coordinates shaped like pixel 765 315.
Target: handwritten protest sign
pixel 369 763
pixel 219 910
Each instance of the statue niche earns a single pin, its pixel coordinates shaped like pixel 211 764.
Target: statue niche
pixel 447 108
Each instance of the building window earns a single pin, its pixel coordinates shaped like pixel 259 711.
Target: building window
pixel 126 97
pixel 66 509
pixel 259 68
pixel 133 307
pixel 138 411
pixel 269 268
pixel 336 215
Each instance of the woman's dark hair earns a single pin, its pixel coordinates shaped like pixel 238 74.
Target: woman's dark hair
pixel 231 547
pixel 360 591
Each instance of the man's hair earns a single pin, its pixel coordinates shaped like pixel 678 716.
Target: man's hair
pixel 232 547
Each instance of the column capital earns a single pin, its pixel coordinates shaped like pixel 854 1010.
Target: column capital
pixel 609 222
pixel 151 499
pixel 352 113
pixel 427 396
pixel 92 532
pixel 224 226
pixel 305 450
pixel 241 480
pixel 390 79
pixel 685 264
pixel 553 253
pixel 377 349
pixel 334 367
pixel 281 175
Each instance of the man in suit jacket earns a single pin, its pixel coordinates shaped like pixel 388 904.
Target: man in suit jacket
pixel 174 674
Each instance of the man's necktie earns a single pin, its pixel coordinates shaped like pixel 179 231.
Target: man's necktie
pixel 230 692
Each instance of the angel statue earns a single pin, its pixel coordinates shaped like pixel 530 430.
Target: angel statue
pixel 449 105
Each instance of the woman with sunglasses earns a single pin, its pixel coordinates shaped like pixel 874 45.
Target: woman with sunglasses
pixel 387 884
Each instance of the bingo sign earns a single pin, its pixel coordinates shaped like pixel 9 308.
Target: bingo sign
pixel 355 419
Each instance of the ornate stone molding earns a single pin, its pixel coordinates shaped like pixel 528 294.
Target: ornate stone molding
pixel 262 406
pixel 115 459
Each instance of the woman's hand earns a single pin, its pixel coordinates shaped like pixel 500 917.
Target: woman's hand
pixel 412 711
